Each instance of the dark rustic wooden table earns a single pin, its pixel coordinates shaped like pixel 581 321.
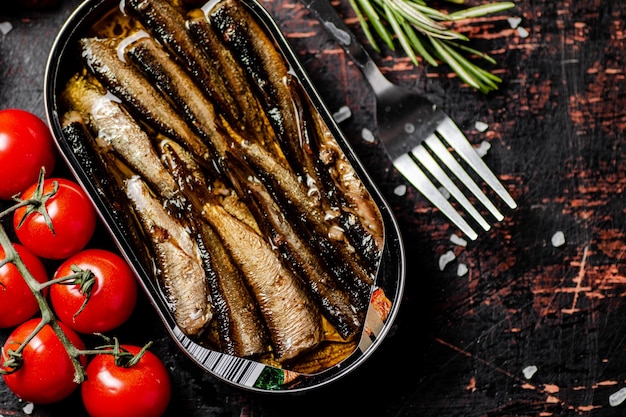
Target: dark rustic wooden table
pixel 531 328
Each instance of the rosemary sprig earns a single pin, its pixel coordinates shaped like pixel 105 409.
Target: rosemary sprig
pixel 427 32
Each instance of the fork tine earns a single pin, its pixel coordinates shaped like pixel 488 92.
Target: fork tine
pixel 431 165
pixel 453 135
pixel 409 169
pixel 446 157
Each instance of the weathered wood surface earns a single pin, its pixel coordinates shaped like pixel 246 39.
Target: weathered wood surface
pixel 463 345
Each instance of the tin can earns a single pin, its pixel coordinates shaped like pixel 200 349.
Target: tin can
pixel 245 373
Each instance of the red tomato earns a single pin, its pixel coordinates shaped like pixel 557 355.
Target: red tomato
pixel 26 145
pixel 73 218
pixel 47 373
pixel 17 302
pixel 113 296
pixel 142 390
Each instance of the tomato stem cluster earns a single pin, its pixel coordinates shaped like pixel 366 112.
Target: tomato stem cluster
pixel 38 202
pixel 85 279
pixel 122 356
pixel 47 316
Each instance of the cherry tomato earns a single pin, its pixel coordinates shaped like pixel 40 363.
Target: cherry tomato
pixel 17 302
pixel 47 373
pixel 73 218
pixel 113 296
pixel 26 145
pixel 141 390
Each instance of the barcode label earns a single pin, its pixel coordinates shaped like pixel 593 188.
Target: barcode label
pixel 238 370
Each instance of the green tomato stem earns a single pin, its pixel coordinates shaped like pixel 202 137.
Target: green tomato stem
pixel 47 315
pixel 84 278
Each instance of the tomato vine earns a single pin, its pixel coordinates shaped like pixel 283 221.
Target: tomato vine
pixel 83 278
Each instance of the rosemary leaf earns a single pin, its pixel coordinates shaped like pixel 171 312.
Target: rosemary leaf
pixel 365 26
pixel 473 51
pixel 456 66
pixel 417 44
pixel 485 80
pixel 427 32
pixel 482 10
pixel 402 38
pixel 421 22
pixel 375 21
pixel 427 11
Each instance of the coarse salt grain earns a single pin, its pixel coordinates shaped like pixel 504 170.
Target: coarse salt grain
pixel 5 27
pixel 483 148
pixel 461 270
pixel 28 408
pixel 523 33
pixel 529 371
pixel 444 192
pixel 344 113
pixel 458 240
pixel 400 190
pixel 367 135
pixel 558 239
pixel 617 398
pixel 445 259
pixel 514 22
pixel 481 126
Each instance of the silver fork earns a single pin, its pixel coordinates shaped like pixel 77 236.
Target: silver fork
pixel 413 131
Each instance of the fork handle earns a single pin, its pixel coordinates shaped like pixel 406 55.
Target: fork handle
pixel 336 27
